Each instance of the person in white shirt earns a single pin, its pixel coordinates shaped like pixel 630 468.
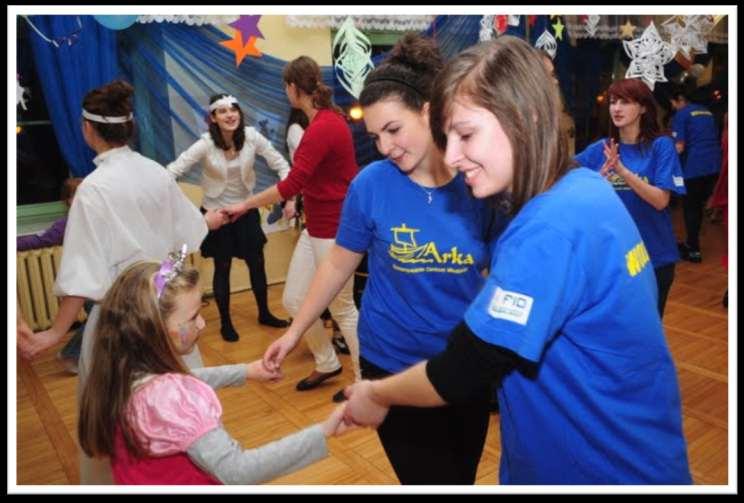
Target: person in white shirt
pixel 128 209
pixel 229 152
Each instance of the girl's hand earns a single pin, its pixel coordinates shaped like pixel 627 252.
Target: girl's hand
pixel 257 372
pixel 335 425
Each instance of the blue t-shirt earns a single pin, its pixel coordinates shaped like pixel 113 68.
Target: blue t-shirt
pixel 576 296
pixel 658 165
pixel 424 262
pixel 696 126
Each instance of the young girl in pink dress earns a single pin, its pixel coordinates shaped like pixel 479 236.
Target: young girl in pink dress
pixel 159 422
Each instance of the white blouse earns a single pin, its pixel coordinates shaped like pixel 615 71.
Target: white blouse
pixel 128 209
pixel 215 175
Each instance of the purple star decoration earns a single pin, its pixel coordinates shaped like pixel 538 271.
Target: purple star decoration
pixel 248 26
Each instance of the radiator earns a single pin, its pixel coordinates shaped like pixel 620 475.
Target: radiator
pixel 36 272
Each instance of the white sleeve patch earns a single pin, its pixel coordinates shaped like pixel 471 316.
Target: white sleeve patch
pixel 678 181
pixel 511 306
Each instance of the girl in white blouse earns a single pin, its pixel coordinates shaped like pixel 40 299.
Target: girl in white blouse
pixel 229 151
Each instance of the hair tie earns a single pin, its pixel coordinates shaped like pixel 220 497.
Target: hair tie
pixel 107 119
pixel 397 81
pixel 225 101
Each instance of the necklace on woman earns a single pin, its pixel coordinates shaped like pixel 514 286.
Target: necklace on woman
pixel 428 194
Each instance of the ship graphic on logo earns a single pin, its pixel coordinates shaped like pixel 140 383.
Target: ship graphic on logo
pixel 404 247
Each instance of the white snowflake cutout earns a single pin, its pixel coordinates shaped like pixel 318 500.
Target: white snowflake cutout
pixel 648 54
pixel 547 42
pixel 354 61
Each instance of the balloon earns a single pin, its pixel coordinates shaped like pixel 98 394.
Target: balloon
pixel 116 22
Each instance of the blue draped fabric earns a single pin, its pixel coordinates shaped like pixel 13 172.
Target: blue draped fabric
pixel 175 68
pixel 68 72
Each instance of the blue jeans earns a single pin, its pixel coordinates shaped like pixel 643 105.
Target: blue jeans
pixel 71 350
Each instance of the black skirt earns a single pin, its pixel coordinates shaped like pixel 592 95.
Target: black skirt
pixel 243 238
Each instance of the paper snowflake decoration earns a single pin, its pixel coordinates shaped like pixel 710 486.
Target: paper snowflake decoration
pixel 648 56
pixel 486 28
pixel 591 24
pixel 354 60
pixel 20 93
pixel 548 43
pixel 512 20
pixel 691 36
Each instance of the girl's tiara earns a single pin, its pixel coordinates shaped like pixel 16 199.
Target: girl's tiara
pixel 169 268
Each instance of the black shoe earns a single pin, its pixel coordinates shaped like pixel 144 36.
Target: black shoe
pixel 687 253
pixel 308 383
pixel 339 396
pixel 272 321
pixel 229 334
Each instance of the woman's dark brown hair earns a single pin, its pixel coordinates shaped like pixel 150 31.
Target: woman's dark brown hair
pixel 407 73
pixel 304 73
pixel 111 100
pixel 214 128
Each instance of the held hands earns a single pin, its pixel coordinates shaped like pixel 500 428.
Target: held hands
pixel 235 211
pixel 257 372
pixel 335 424
pixel 290 210
pixel 278 350
pixel 216 219
pixel 362 407
pixel 32 344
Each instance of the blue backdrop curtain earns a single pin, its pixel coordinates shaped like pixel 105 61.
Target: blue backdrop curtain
pixel 85 59
pixel 175 68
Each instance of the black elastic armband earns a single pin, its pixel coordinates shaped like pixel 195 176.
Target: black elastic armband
pixel 469 367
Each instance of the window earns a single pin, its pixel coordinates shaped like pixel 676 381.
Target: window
pixel 40 168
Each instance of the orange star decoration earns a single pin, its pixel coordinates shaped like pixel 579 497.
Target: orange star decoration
pixel 235 44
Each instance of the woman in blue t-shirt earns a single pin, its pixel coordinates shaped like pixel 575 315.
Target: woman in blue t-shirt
pixel 425 239
pixel 642 165
pixel 566 322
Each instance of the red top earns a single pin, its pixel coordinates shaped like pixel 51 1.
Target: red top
pixel 176 469
pixel 322 169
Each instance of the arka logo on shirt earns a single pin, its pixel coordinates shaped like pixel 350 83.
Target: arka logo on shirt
pixel 406 250
pixel 636 259
pixel 619 183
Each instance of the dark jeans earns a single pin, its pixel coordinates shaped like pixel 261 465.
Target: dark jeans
pixel 439 445
pixel 72 348
pixel 698 190
pixel 664 278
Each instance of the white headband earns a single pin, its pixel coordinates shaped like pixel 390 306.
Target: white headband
pixel 227 101
pixel 104 119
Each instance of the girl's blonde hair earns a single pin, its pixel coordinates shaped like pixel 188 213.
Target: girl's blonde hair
pixel 131 341
pixel 507 77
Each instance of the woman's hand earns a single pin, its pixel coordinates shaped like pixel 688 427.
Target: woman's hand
pixel 235 211
pixel 278 350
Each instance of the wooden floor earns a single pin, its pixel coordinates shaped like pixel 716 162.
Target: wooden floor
pixel 696 327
